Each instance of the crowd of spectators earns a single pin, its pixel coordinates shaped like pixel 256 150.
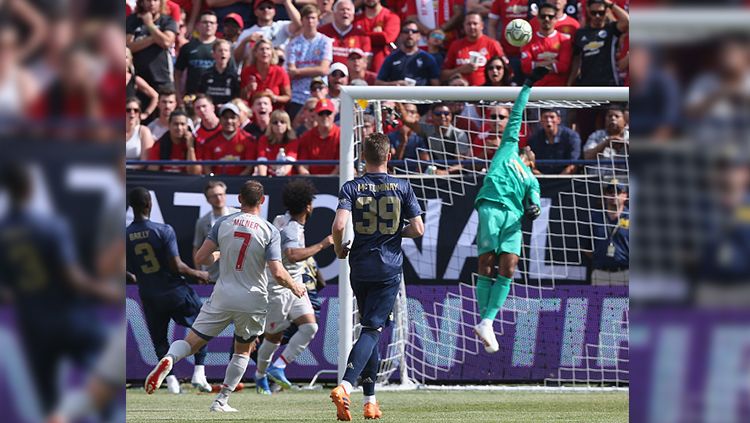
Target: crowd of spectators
pixel 226 80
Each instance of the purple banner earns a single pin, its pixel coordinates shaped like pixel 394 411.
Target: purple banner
pixel 555 330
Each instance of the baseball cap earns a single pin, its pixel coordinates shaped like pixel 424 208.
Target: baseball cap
pixel 339 67
pixel 318 80
pixel 235 17
pixel 259 2
pixel 358 51
pixel 324 105
pixel 229 106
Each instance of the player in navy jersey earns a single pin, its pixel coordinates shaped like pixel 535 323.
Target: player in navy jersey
pixel 153 258
pixel 379 205
pixel 52 295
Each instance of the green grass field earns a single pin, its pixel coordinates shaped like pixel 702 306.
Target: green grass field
pixel 399 406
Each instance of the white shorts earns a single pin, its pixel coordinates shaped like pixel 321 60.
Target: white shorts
pixel 283 308
pixel 211 321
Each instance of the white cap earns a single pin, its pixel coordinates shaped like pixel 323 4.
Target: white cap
pixel 229 106
pixel 339 67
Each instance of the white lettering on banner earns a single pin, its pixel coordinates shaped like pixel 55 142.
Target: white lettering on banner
pixel 327 201
pixel 613 313
pixel 97 178
pixel 527 326
pixel 439 350
pixel 425 262
pixel 728 371
pixel 671 360
pixel 576 314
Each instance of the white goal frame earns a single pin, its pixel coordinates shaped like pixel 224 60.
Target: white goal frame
pixel 346 157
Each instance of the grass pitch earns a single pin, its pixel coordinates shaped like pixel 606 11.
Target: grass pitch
pixel 397 406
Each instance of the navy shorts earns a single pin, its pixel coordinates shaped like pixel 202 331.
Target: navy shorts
pixel 375 300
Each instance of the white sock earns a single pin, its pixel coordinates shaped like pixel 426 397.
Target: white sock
pixel 347 386
pixel 370 399
pixel 299 341
pixel 199 371
pixel 76 405
pixel 179 350
pixel 265 354
pixel 235 370
pixel 486 322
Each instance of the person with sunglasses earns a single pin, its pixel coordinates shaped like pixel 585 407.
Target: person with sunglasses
pixel 497 73
pixel 548 48
pixel 469 55
pixel 595 45
pixel 487 140
pixel 445 144
pixel 567 12
pixel 409 65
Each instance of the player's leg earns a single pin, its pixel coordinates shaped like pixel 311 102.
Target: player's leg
pixel 276 322
pixel 509 251
pixel 369 376
pixel 157 316
pixel 488 242
pixel 185 316
pixel 247 328
pixel 303 317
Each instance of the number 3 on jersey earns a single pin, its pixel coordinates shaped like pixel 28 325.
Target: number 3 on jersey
pixel 381 215
pixel 246 237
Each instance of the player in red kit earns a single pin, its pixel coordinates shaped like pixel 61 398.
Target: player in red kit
pixel 548 48
pixel 469 55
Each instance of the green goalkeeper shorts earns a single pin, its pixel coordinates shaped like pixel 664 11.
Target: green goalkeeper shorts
pixel 499 229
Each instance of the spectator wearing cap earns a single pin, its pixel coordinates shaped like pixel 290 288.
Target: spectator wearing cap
pixel 221 82
pixel 306 117
pixel 150 35
pixel 279 134
pixel 231 144
pixel 382 26
pixel 233 24
pixel 555 142
pixel 501 13
pixel 610 141
pixel 345 36
pixel 548 48
pixel 611 237
pixel 594 46
pixel 566 20
pixel 319 88
pixel 409 65
pixel 357 66
pixel 435 46
pixel 262 106
pixel 176 144
pixel 469 55
pixel 308 55
pixel 277 32
pixel 224 8
pixel 263 74
pixel 337 77
pixel 196 57
pixel 321 142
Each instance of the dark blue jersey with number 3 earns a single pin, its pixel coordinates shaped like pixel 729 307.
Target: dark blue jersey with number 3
pixel 149 247
pixel 380 206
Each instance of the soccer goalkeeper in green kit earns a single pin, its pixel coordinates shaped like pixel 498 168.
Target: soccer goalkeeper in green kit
pixel 509 192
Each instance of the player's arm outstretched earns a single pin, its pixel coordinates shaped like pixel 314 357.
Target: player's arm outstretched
pixel 176 265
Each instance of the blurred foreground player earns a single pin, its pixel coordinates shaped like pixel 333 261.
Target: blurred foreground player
pixel 510 191
pixel 247 243
pixel 153 258
pixel 51 293
pixel 378 205
pixel 283 307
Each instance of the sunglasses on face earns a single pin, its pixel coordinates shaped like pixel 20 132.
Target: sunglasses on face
pixel 597 13
pixel 325 113
pixel 436 113
pixel 437 36
pixel 498 117
pixel 266 6
pixel 410 31
pixel 546 17
pixel 132 110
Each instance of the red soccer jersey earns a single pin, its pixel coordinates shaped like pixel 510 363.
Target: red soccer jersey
pixel 343 44
pixel 506 11
pixel 383 29
pixel 201 135
pixel 276 79
pixel 177 152
pixel 566 25
pixel 558 47
pixel 241 146
pixel 458 55
pixel 313 147
pixel 269 151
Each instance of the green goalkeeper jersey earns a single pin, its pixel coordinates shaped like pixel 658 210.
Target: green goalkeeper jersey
pixel 509 181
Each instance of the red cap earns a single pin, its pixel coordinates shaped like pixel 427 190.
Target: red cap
pixel 235 17
pixel 325 105
pixel 259 2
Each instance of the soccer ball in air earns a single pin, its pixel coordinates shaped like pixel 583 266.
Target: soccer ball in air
pixel 518 32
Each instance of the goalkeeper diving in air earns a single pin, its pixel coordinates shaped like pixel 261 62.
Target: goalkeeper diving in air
pixel 509 192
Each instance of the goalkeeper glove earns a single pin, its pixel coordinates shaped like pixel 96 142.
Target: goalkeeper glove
pixel 532 211
pixel 536 74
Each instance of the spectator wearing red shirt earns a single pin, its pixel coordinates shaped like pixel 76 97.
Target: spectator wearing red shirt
pixel 209 123
pixel 264 75
pixel 502 12
pixel 382 26
pixel 321 142
pixel 231 144
pixel 176 144
pixel 357 65
pixel 487 140
pixel 549 48
pixel 469 55
pixel 279 134
pixel 233 25
pixel 565 23
pixel 345 36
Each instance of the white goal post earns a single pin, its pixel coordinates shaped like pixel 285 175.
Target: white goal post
pixel 569 97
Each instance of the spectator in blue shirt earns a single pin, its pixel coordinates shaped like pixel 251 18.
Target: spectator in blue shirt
pixel 654 97
pixel 409 65
pixel 405 142
pixel 611 237
pixel 555 142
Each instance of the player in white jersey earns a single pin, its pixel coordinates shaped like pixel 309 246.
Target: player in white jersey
pixel 248 243
pixel 283 307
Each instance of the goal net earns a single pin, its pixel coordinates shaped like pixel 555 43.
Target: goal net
pixel 433 337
